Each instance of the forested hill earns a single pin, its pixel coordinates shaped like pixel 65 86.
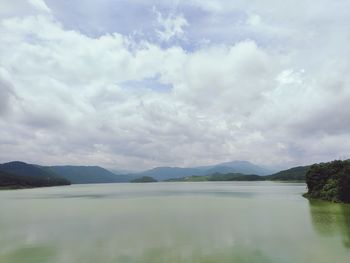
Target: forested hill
pixel 329 181
pixel 292 174
pixel 23 175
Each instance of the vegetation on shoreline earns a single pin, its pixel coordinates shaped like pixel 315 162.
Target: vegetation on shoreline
pixel 144 179
pixel 329 181
pixel 219 177
pixel 13 181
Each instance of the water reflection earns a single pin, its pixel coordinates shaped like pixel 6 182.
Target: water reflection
pixel 331 219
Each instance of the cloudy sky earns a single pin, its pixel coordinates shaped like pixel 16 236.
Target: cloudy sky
pixel 137 84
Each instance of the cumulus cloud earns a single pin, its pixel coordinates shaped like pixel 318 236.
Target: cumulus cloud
pixel 116 101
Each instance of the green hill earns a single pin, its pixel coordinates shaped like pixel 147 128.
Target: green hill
pixel 23 175
pixel 292 174
pixel 329 181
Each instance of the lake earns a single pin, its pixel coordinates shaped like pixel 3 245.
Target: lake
pixel 172 222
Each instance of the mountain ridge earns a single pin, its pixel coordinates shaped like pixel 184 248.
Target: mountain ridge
pixel 91 174
pixel 166 172
pixel 78 174
pixel 22 175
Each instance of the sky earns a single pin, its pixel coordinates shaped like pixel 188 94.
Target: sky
pixel 138 84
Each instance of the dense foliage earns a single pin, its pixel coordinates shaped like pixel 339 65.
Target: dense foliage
pixel 329 181
pixel 144 179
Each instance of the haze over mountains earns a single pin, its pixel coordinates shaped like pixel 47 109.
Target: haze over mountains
pixel 88 174
pixel 243 167
pixel 58 175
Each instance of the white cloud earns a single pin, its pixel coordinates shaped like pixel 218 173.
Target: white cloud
pixel 171 26
pixel 65 96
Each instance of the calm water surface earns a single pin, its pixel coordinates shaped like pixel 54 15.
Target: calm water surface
pixel 172 222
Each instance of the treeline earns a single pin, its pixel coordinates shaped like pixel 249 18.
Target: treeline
pixel 13 181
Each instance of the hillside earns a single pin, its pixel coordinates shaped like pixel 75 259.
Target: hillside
pixel 243 167
pixel 292 174
pixel 88 174
pixel 329 181
pixel 164 173
pixel 168 173
pixel 23 175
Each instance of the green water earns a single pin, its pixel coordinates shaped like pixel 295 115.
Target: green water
pixel 172 222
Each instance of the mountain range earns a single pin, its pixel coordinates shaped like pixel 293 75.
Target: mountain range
pixel 57 175
pixel 243 167
pixel 19 174
pixel 88 174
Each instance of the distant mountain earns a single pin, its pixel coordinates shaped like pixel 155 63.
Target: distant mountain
pixel 121 171
pixel 292 174
pixel 21 175
pixel 220 169
pixel 164 173
pixel 88 174
pixel 295 173
pixel 242 167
